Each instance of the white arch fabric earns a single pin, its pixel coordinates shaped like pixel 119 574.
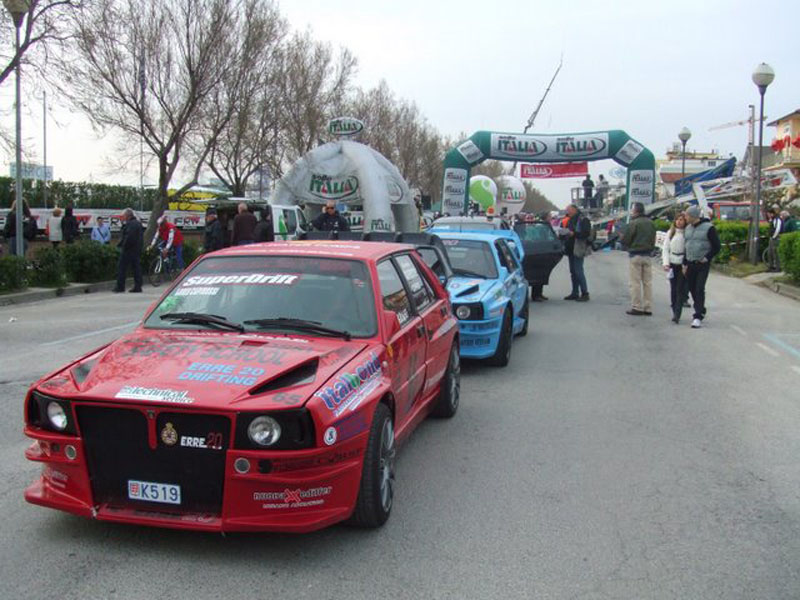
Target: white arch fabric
pixel 351 173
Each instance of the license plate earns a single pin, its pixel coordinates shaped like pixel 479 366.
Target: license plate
pixel 150 491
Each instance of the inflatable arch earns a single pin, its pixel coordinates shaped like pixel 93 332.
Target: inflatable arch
pixel 565 147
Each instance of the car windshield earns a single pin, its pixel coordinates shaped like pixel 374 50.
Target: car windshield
pixel 471 257
pixel 534 232
pixel 325 293
pixel 465 225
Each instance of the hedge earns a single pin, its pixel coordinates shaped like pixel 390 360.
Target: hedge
pixel 733 236
pixel 13 273
pixel 87 261
pixel 789 253
pixel 82 194
pixel 49 268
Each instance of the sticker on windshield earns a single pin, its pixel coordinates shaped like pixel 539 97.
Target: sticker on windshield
pixel 243 279
pixel 197 291
pixel 450 242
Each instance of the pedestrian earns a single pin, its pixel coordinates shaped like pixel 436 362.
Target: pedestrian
pixel 131 245
pixel 602 192
pixel 330 219
pixel 69 226
pixel 640 240
pixel 213 233
pixel 265 230
pixel 775 230
pixel 588 191
pixel 244 225
pixel 101 232
pixel 576 247
pixel 672 254
pixel 702 245
pixel 790 223
pixel 10 228
pixel 54 233
pixel 170 237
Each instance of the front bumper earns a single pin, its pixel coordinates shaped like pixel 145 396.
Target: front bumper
pixel 479 339
pixel 303 490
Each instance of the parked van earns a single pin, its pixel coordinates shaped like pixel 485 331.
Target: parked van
pixel 288 220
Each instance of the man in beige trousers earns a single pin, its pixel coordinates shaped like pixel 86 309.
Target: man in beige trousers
pixel 640 240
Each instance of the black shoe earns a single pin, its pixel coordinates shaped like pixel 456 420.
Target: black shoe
pixel 135 291
pixel 635 312
pixel 676 319
pixel 571 297
pixel 583 298
pixel 537 299
pixel 542 298
pixel 647 313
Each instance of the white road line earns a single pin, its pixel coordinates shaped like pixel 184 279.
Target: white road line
pixel 739 330
pixel 796 369
pixel 767 349
pixel 90 334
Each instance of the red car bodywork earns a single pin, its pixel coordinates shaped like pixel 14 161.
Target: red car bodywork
pixel 190 372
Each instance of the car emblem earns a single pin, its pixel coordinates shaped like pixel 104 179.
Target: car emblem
pixel 168 435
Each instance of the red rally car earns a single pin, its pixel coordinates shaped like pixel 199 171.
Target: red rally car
pixel 266 390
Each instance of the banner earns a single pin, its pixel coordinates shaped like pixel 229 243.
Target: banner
pixel 511 146
pixel 555 170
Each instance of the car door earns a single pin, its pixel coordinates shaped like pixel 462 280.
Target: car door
pixel 514 283
pixel 543 250
pixel 406 349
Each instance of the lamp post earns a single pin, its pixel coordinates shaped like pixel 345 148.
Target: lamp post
pixel 762 77
pixel 18 9
pixel 684 135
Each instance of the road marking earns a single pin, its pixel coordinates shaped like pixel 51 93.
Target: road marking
pixel 776 340
pixel 796 369
pixel 739 330
pixel 90 334
pixel 767 349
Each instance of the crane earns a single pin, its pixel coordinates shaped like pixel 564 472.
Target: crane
pixel 751 121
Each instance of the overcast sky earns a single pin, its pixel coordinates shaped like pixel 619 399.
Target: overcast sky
pixel 649 68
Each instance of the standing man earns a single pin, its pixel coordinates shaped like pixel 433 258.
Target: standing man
pixel 101 232
pixel 265 230
pixel 576 247
pixel 775 230
pixel 170 236
pixel 70 229
pixel 213 233
pixel 244 226
pixel 588 189
pixel 602 192
pixel 330 219
pixel 640 240
pixel 131 245
pixel 702 245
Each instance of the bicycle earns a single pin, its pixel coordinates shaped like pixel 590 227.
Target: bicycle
pixel 161 268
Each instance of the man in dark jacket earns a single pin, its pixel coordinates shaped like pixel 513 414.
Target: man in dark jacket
pixel 265 231
pixel 588 191
pixel 70 230
pixel 330 219
pixel 702 245
pixel 640 240
pixel 213 237
pixel 576 247
pixel 131 245
pixel 244 226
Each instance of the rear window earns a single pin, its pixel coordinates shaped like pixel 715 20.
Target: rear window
pixel 534 232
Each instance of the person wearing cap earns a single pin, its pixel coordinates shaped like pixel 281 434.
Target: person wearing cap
pixel 640 240
pixel 213 232
pixel 775 230
pixel 170 236
pixel 701 246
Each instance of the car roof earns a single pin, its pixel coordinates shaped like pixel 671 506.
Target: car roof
pixel 470 235
pixel 468 219
pixel 322 248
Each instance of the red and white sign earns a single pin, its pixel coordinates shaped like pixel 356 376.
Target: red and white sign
pixel 555 170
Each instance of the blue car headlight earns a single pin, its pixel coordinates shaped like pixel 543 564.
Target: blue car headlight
pixel 469 312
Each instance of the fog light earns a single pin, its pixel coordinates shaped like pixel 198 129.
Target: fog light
pixel 57 416
pixel 241 465
pixel 70 452
pixel 462 312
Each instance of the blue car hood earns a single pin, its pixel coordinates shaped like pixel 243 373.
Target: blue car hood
pixel 469 289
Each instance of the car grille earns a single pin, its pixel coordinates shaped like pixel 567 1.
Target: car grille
pixel 117 449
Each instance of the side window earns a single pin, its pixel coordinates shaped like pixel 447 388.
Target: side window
pixel 419 293
pixel 431 258
pixel 502 255
pixel 291 220
pixel 393 292
pixel 507 258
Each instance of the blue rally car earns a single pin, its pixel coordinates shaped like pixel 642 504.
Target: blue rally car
pixel 489 294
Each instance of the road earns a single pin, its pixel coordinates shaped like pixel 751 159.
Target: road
pixel 616 457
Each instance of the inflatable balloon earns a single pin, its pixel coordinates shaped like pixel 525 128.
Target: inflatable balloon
pixel 512 194
pixel 483 191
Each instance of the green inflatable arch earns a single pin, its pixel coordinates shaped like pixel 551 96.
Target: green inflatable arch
pixel 565 147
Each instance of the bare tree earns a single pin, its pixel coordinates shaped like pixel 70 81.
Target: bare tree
pixel 160 71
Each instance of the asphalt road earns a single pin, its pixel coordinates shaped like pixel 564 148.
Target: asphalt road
pixel 616 457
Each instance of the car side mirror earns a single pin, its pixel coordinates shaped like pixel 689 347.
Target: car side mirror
pixel 391 323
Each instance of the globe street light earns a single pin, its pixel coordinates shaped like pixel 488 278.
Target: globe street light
pixel 762 77
pixel 18 9
pixel 684 135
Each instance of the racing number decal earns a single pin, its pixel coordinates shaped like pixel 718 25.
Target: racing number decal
pixel 214 440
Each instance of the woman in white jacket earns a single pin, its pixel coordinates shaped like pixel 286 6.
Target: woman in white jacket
pixel 672 253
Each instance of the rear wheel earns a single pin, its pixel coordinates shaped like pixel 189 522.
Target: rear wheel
pixel 376 492
pixel 447 404
pixel 502 355
pixel 156 271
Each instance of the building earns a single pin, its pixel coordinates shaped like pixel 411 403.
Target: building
pixel 786 144
pixel 671 168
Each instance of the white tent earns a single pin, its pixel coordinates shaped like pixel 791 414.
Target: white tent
pixel 351 173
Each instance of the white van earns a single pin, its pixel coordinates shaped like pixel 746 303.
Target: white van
pixel 288 220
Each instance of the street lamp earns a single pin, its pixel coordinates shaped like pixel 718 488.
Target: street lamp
pixel 762 77
pixel 18 9
pixel 684 135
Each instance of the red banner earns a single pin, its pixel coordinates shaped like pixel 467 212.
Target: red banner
pixel 552 171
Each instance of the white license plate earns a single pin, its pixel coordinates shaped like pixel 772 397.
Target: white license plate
pixel 150 491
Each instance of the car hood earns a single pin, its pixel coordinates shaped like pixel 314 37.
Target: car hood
pixel 205 370
pixel 469 289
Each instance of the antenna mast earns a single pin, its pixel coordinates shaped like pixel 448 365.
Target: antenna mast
pixel 547 91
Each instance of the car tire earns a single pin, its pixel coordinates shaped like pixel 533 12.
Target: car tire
pixel 525 314
pixel 376 491
pixel 450 394
pixel 502 355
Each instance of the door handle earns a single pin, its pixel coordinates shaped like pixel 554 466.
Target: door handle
pixel 420 330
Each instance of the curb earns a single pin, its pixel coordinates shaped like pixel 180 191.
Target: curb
pixel 784 289
pixel 38 294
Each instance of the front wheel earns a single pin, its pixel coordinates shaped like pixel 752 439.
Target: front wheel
pixel 376 492
pixel 447 404
pixel 502 355
pixel 525 315
pixel 156 271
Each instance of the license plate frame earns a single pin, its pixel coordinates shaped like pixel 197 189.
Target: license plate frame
pixel 152 491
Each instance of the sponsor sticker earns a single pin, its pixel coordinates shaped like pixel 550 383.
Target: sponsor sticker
pixel 349 389
pixel 470 152
pixel 288 498
pixel 330 436
pixel 134 392
pixel 345 126
pixel 240 279
pixel 333 188
pixel 168 435
pixel 227 374
pixel 517 146
pixel 641 186
pixel 628 153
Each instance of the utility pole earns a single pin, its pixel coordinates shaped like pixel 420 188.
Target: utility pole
pixel 44 143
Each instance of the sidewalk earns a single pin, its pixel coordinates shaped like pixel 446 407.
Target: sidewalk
pixel 767 280
pixel 35 294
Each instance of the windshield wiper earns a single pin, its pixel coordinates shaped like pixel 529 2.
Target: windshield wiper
pixel 203 318
pixel 300 325
pixel 468 273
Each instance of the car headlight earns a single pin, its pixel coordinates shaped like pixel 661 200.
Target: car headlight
pixel 462 312
pixel 57 416
pixel 264 431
